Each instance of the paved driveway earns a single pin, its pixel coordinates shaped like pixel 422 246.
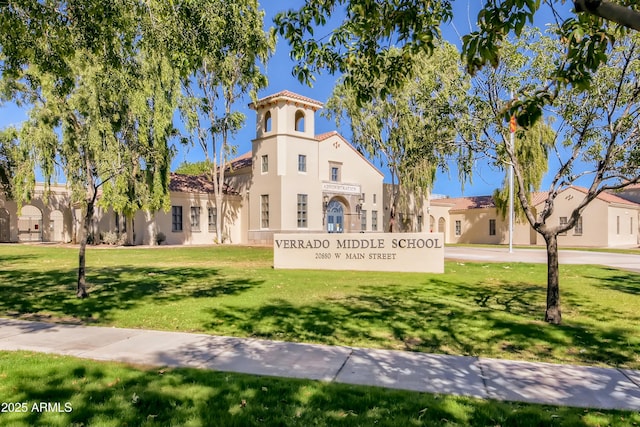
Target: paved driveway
pixel 501 254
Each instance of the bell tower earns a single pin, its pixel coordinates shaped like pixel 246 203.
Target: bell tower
pixel 285 113
pixel 284 166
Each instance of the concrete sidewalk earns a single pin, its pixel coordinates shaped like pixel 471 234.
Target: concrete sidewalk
pixel 470 376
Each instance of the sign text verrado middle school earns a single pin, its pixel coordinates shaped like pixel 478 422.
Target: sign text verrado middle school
pixel 410 252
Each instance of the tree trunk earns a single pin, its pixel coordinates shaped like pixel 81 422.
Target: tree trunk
pixel 219 224
pixel 81 291
pixel 152 232
pixel 129 239
pixel 553 313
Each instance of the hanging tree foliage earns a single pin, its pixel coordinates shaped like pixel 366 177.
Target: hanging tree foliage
pixel 411 129
pixel 100 96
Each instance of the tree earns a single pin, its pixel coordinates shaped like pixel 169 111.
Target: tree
pixel 412 128
pixel 99 97
pixel 524 62
pixel 531 148
pixel 195 169
pixel 587 41
pixel 595 138
pixel 600 128
pixel 370 27
pixel 8 139
pixel 224 72
pixel 144 133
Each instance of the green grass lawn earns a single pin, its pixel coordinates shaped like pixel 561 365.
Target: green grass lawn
pixel 480 309
pixel 483 309
pixel 87 393
pixel 473 309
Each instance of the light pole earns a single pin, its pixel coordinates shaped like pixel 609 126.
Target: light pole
pixel 512 134
pixel 359 206
pixel 325 205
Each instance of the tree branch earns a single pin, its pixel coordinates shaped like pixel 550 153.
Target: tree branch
pixel 619 14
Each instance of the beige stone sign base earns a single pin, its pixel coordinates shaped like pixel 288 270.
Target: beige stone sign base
pixel 401 252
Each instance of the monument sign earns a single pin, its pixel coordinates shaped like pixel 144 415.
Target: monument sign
pixel 403 252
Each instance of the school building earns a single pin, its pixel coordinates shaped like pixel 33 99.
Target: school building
pixel 294 181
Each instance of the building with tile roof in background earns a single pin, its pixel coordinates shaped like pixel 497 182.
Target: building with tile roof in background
pixel 608 221
pixel 294 181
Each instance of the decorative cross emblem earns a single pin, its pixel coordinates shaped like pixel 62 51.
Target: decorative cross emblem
pixel 336 144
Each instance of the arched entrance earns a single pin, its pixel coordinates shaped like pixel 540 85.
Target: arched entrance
pixel 442 227
pixel 335 217
pixel 30 224
pixel 5 228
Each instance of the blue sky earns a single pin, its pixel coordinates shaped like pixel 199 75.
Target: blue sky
pixel 279 68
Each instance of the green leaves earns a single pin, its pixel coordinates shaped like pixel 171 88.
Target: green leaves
pixel 9 160
pixel 587 41
pixel 371 27
pixel 362 38
pixel 409 126
pixel 495 22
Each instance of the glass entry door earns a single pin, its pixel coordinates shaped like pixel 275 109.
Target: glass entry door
pixel 335 217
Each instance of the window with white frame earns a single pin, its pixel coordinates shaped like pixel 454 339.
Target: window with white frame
pixel 577 230
pixel 363 220
pixel 374 220
pixel 195 218
pixel 302 210
pixel 213 218
pixel 335 173
pixel 265 163
pixel 458 228
pixel 302 163
pixel 176 218
pixel 264 211
pixel 563 222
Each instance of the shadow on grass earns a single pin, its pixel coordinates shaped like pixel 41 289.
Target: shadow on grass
pixel 501 322
pixel 114 394
pixel 628 282
pixel 5 259
pixel 29 294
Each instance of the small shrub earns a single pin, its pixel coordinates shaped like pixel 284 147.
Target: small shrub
pixel 112 238
pixel 91 239
pixel 160 237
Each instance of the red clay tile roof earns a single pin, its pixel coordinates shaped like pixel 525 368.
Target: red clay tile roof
pixel 607 197
pixel 477 202
pixel 242 161
pixel 326 135
pixel 289 95
pixel 195 184
pixel 538 197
